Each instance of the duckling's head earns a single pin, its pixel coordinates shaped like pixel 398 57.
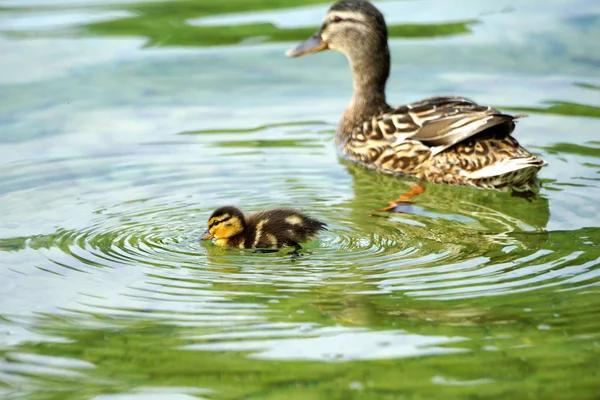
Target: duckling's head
pixel 353 27
pixel 224 223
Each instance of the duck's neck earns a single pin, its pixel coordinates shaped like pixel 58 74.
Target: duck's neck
pixel 370 76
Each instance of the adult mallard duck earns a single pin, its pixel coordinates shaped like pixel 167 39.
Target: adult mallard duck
pixel 268 229
pixel 447 139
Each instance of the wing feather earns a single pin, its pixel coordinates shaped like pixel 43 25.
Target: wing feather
pixel 437 122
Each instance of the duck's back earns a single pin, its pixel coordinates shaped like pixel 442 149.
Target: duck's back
pixel 279 227
pixel 443 139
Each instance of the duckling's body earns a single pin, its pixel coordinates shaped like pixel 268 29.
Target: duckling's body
pixel 276 228
pixel 446 139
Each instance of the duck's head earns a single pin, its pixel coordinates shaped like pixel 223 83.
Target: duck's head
pixel 357 29
pixel 353 27
pixel 224 223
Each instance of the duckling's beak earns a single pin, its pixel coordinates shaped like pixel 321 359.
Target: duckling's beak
pixel 207 235
pixel 313 45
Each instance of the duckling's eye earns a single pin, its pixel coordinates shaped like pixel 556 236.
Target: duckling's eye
pixel 215 223
pixel 337 19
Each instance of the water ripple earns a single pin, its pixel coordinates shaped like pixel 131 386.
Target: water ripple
pixel 419 260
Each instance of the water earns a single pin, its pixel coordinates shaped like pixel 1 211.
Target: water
pixel 123 125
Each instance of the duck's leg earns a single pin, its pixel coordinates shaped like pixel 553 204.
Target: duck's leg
pixel 294 255
pixel 404 198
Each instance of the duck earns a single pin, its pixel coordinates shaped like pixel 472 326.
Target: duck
pixel 443 139
pixel 269 229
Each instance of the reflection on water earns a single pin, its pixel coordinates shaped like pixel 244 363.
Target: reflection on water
pixel 328 344
pixel 113 155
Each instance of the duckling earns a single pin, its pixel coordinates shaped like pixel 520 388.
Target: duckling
pixel 268 229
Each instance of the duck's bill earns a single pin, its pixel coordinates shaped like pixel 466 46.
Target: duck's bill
pixel 312 45
pixel 207 236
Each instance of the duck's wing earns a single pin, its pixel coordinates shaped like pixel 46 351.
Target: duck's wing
pixel 439 122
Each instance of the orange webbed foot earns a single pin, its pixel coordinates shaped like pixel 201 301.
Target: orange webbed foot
pixel 404 198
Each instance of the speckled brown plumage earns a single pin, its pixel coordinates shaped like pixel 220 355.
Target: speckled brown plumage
pixel 444 139
pixel 425 140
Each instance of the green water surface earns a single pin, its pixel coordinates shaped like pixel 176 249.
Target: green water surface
pixel 124 123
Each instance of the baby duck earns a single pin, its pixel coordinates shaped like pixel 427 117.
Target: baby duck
pixel 268 229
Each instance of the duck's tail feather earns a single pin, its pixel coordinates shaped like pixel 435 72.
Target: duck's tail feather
pixel 517 173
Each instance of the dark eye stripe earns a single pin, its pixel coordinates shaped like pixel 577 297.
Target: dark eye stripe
pixel 215 223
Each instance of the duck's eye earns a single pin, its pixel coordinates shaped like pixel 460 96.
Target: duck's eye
pixel 337 19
